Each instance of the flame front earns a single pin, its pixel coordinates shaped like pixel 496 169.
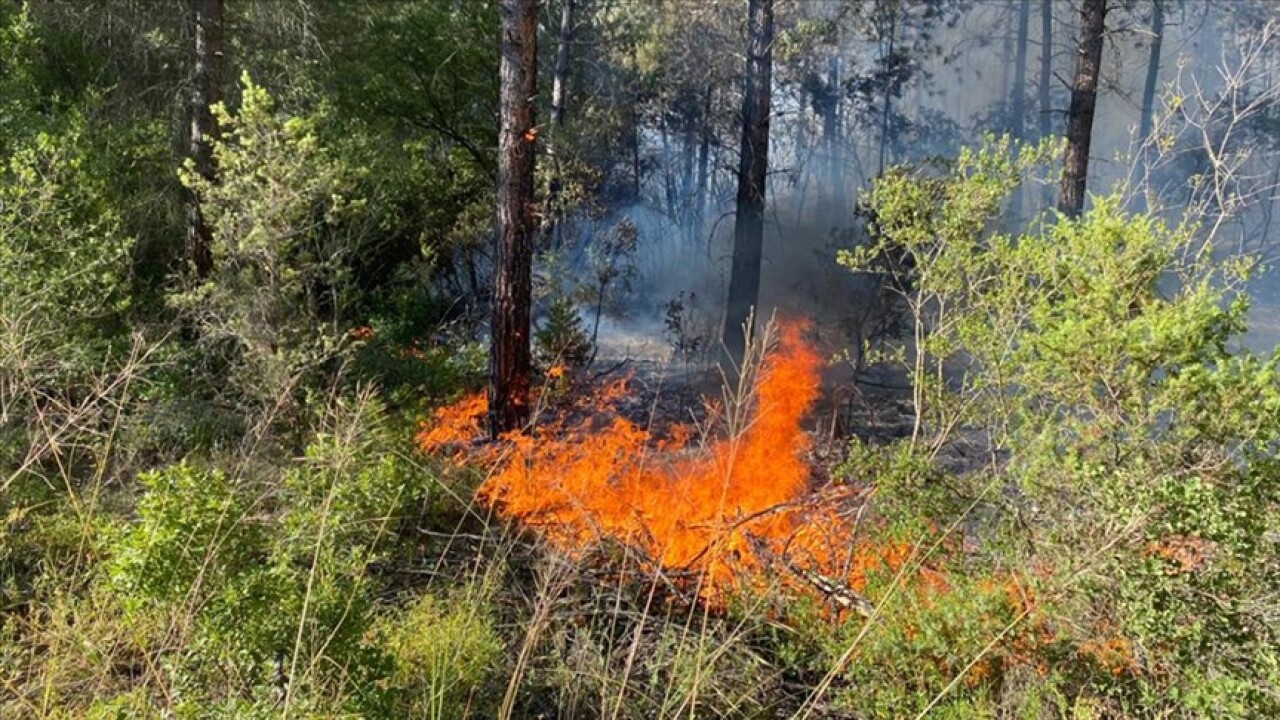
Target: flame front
pixel 723 514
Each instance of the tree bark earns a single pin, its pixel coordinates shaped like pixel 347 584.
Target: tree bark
pixel 702 201
pixel 753 162
pixel 1153 70
pixel 1046 70
pixel 833 185
pixel 204 95
pixel 1046 67
pixel 887 111
pixel 510 355
pixel 1019 107
pixel 559 93
pixel 560 74
pixel 1084 99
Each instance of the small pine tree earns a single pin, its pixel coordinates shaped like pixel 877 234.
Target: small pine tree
pixel 562 340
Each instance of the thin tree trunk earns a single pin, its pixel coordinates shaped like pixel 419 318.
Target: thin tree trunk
pixel 208 71
pixel 832 191
pixel 559 92
pixel 668 177
pixel 1153 70
pixel 1046 69
pixel 886 114
pixel 748 235
pixel 1006 65
pixel 1084 100
pixel 704 160
pixel 688 150
pixel 560 76
pixel 1019 107
pixel 510 356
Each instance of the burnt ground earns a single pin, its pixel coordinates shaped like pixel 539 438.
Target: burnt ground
pixel 874 408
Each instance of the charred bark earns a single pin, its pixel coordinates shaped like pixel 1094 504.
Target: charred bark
pixel 510 355
pixel 753 162
pixel 1084 100
pixel 204 95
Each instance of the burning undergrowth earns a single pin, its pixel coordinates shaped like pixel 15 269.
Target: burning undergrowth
pixel 737 512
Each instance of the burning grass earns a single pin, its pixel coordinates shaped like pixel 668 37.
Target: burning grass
pixel 731 514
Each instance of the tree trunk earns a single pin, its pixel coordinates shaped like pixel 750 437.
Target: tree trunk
pixel 560 76
pixel 748 234
pixel 688 149
pixel 204 95
pixel 1084 99
pixel 832 187
pixel 1006 66
pixel 1019 108
pixel 510 356
pixel 559 91
pixel 887 111
pixel 1046 71
pixel 1153 70
pixel 702 201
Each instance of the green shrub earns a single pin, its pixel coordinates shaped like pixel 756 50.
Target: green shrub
pixel 1124 444
pixel 446 653
pixel 268 582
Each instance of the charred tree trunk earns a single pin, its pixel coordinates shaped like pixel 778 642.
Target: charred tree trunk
pixel 1084 100
pixel 204 95
pixel 748 232
pixel 1153 70
pixel 510 355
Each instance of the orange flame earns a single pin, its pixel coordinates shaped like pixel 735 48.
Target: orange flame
pixel 455 426
pixel 725 516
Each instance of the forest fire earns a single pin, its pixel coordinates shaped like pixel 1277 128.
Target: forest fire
pixel 716 518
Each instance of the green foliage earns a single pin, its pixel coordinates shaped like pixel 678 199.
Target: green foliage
pixel 193 529
pixel 1131 449
pixel 274 305
pixel 561 340
pixel 63 254
pixel 270 588
pixel 446 652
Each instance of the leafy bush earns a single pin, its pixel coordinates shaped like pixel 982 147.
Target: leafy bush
pixel 269 581
pixel 446 652
pixel 274 305
pixel 1128 449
